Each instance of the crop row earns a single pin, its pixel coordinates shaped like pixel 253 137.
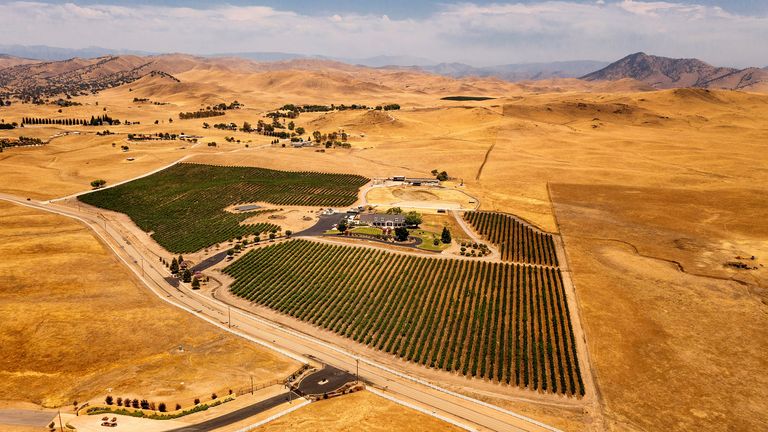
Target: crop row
pixel 516 240
pixel 183 206
pixel 506 323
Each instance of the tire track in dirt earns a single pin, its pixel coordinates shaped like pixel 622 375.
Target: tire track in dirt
pixel 485 160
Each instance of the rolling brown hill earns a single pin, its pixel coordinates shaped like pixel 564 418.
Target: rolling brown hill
pixel 665 73
pixel 72 77
pixel 7 61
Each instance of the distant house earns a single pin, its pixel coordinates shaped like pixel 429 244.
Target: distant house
pixel 413 181
pixel 383 220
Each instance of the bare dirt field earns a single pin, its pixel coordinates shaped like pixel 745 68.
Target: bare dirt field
pixel 76 324
pixel 420 196
pixel 294 218
pixel 361 411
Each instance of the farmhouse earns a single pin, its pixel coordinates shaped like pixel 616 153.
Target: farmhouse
pixel 383 220
pixel 415 181
pixel 422 181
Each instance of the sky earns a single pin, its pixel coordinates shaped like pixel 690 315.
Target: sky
pixel 479 32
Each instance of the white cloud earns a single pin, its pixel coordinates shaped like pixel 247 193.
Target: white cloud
pixel 483 34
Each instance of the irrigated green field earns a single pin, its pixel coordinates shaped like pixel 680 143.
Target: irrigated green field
pixel 183 206
pixel 504 322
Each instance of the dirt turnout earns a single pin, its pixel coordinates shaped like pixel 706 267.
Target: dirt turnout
pixel 75 324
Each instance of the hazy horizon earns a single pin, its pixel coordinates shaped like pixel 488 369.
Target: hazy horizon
pixel 478 33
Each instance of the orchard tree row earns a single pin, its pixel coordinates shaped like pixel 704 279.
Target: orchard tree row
pixel 516 240
pixel 184 206
pixel 500 322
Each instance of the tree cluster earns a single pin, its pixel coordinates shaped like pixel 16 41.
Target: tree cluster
pixel 225 126
pixel 19 142
pixel 413 218
pixel 47 121
pixel 401 234
pixel 440 175
pixel 389 107
pixel 66 103
pixel 200 114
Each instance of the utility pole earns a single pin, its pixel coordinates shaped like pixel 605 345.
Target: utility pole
pixel 61 426
pixel 251 385
pixel 357 371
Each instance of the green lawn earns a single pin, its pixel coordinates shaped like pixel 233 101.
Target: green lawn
pixel 367 230
pixel 428 238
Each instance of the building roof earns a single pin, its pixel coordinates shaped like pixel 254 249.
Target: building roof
pixel 382 218
pixel 423 180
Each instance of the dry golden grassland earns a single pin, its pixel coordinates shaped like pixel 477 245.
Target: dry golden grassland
pixel 653 192
pixel 361 411
pixel 75 323
pixel 673 350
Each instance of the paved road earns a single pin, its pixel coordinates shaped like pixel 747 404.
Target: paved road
pixel 324 380
pixel 209 262
pixel 290 342
pixel 324 223
pixel 239 415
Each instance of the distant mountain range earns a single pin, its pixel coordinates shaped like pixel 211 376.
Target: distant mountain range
pixel 654 71
pixel 49 53
pixel 519 72
pixel 665 73
pixel 509 72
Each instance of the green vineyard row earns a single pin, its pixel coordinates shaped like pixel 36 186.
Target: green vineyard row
pixel 183 206
pixel 502 322
pixel 517 241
